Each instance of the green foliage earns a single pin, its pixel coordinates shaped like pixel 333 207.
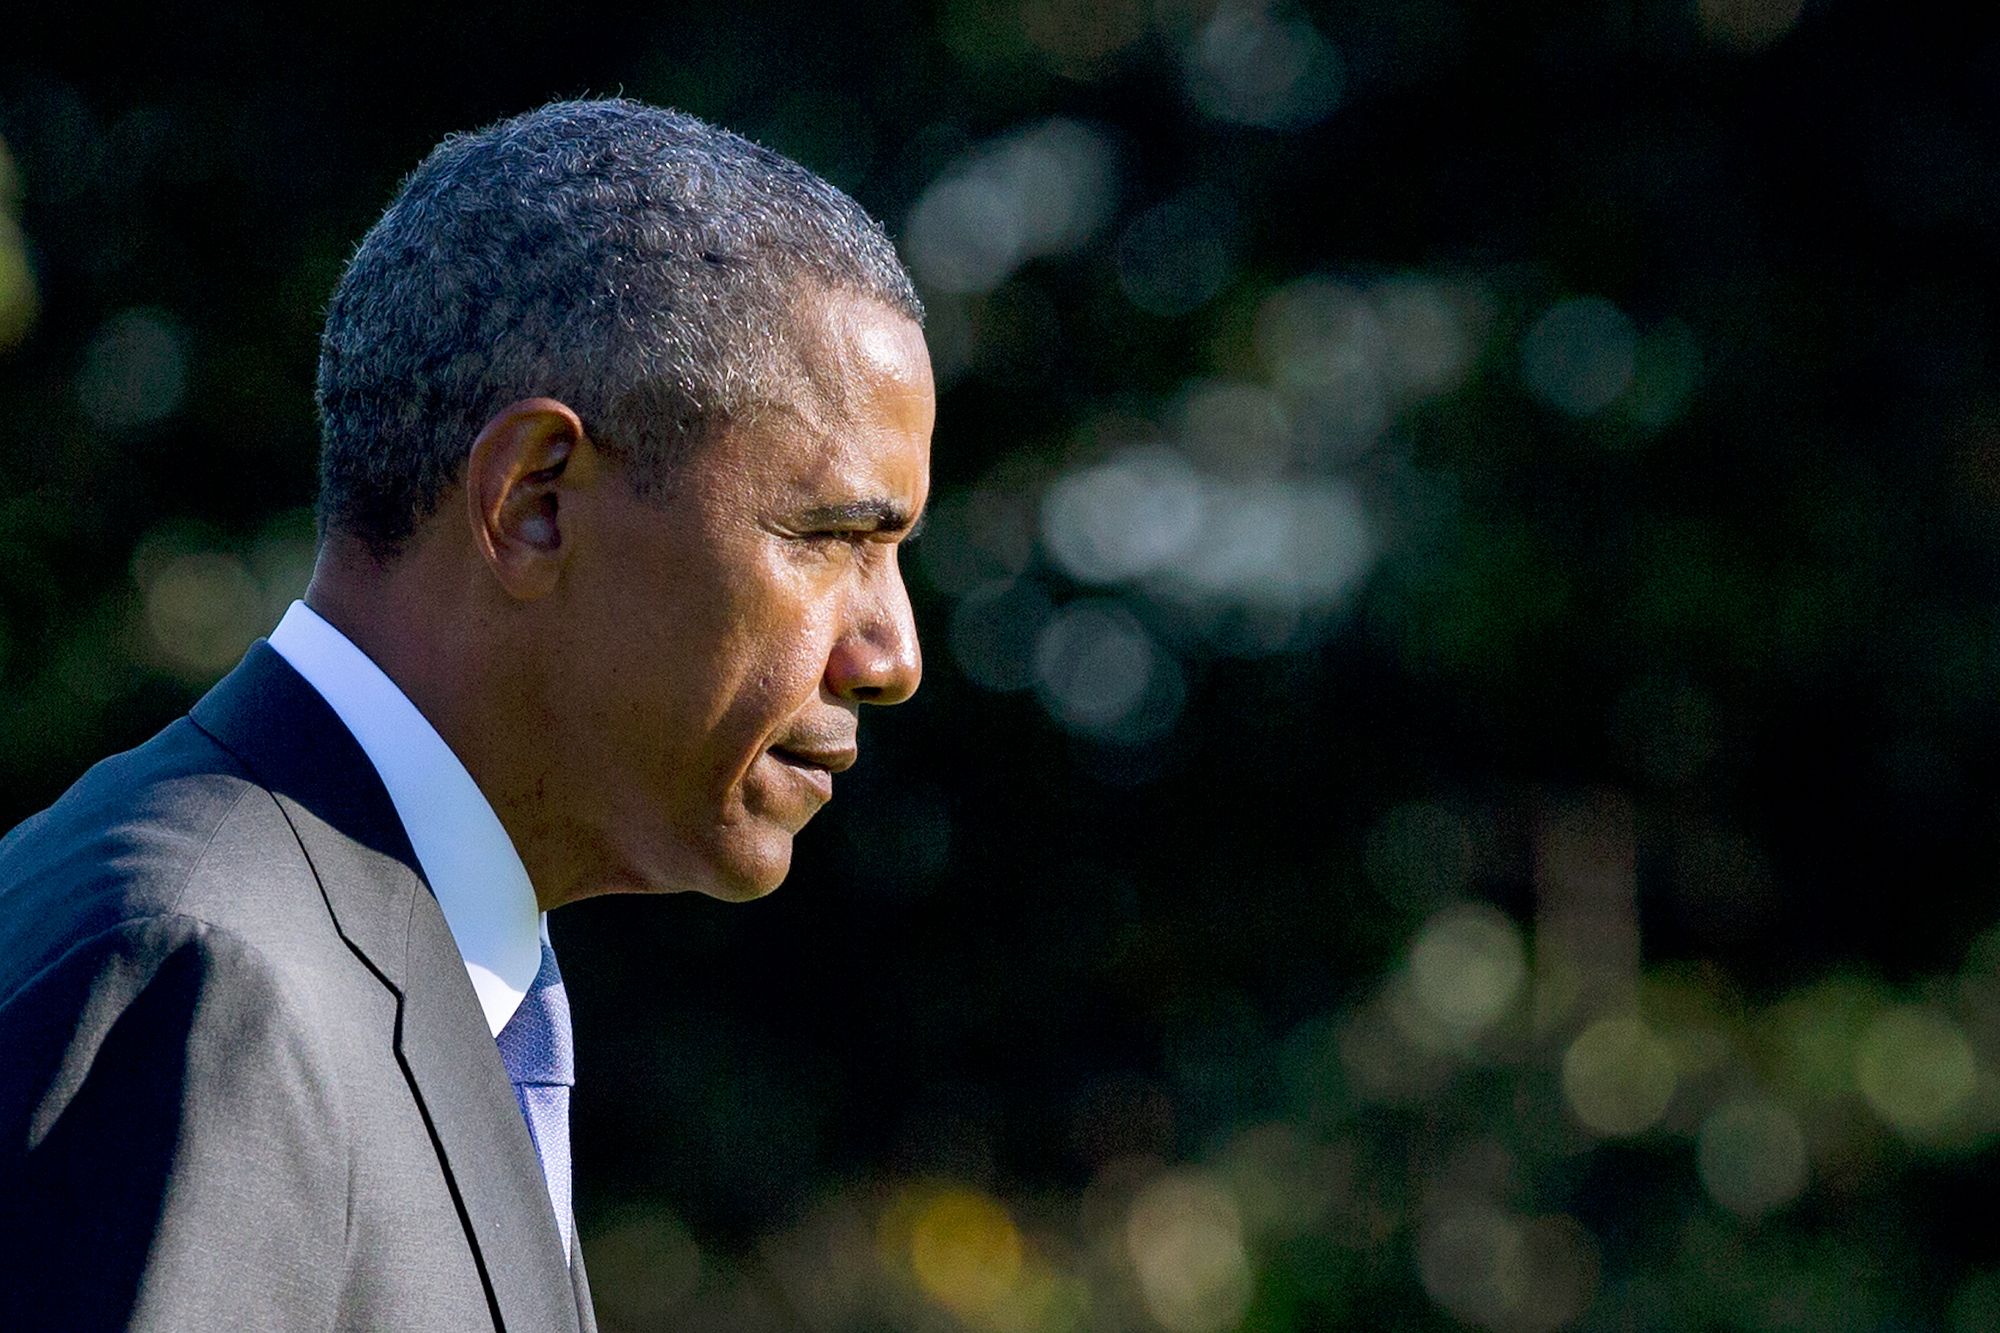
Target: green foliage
pixel 1455 781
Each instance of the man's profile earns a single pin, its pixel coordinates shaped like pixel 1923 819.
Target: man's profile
pixel 623 419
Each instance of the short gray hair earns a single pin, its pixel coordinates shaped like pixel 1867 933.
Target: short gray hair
pixel 636 263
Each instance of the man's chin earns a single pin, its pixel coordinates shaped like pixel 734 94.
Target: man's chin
pixel 740 864
pixel 739 890
pixel 739 874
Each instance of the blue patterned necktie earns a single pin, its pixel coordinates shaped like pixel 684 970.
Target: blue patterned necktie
pixel 541 1062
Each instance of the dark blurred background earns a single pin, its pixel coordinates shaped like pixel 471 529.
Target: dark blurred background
pixel 1456 784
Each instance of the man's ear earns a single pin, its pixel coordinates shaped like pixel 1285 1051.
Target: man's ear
pixel 526 463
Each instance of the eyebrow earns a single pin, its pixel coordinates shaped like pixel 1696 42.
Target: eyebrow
pixel 877 515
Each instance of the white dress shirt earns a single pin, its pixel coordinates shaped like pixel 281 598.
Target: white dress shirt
pixel 473 869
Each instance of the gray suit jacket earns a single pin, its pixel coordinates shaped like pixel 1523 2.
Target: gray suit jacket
pixel 244 1080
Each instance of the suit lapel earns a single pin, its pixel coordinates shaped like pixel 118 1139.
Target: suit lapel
pixel 285 734
pixel 581 1282
pixel 449 1052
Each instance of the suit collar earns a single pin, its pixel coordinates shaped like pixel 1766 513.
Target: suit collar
pixel 284 733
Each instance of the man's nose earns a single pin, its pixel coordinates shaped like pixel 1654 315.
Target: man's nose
pixel 878 660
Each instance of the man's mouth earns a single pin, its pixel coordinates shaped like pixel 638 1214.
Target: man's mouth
pixel 829 761
pixel 814 767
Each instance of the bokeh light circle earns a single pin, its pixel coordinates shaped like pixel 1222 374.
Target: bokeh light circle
pixel 1751 1155
pixel 1467 966
pixel 1580 355
pixel 1101 674
pixel 1916 1069
pixel 965 1251
pixel 1184 1235
pixel 1618 1076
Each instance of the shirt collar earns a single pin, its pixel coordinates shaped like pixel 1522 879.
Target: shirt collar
pixel 480 884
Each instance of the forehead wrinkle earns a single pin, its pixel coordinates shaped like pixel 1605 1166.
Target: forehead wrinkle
pixel 760 410
pixel 787 386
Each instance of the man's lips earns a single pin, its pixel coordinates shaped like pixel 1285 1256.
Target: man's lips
pixel 833 760
pixel 815 767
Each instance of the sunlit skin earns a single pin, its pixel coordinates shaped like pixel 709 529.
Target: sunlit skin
pixel 656 694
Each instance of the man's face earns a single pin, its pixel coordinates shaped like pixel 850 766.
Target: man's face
pixel 728 636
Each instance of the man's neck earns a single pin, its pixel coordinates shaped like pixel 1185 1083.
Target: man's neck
pixel 435 650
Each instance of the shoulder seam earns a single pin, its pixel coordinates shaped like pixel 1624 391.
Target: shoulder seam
pixel 76 947
pixel 196 861
pixel 171 912
pixel 198 928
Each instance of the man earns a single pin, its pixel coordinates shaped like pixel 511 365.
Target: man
pixel 623 419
